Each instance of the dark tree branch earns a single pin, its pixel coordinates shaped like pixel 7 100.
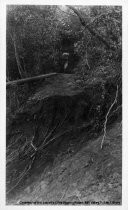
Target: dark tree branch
pixel 92 31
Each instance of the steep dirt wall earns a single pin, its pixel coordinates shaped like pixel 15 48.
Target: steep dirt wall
pixel 53 111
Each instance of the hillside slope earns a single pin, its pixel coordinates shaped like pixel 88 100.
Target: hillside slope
pixel 80 173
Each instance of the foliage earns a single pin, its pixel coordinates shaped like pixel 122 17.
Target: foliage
pixel 107 21
pixel 36 38
pixel 38 35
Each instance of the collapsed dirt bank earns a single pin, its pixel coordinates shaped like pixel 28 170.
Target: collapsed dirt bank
pixel 83 174
pixel 49 129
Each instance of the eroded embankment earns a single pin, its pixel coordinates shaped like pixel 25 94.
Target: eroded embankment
pixel 52 117
pixel 79 171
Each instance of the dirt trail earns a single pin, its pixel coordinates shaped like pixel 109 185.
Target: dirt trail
pixel 84 174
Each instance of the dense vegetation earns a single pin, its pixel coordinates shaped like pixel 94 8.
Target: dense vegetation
pixel 37 39
pixel 37 36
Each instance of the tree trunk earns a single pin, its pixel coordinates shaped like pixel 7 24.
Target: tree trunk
pixel 17 55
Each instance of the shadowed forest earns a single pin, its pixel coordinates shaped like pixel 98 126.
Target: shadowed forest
pixel 63 104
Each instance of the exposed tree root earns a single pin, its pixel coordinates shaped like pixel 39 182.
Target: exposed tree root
pixel 26 150
pixel 106 118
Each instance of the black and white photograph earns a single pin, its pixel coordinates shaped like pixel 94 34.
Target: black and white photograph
pixel 63 105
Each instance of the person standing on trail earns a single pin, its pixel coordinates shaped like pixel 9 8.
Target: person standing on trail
pixel 65 57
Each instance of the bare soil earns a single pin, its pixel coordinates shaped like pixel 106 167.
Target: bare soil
pixel 78 172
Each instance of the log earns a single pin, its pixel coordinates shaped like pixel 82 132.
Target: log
pixel 29 79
